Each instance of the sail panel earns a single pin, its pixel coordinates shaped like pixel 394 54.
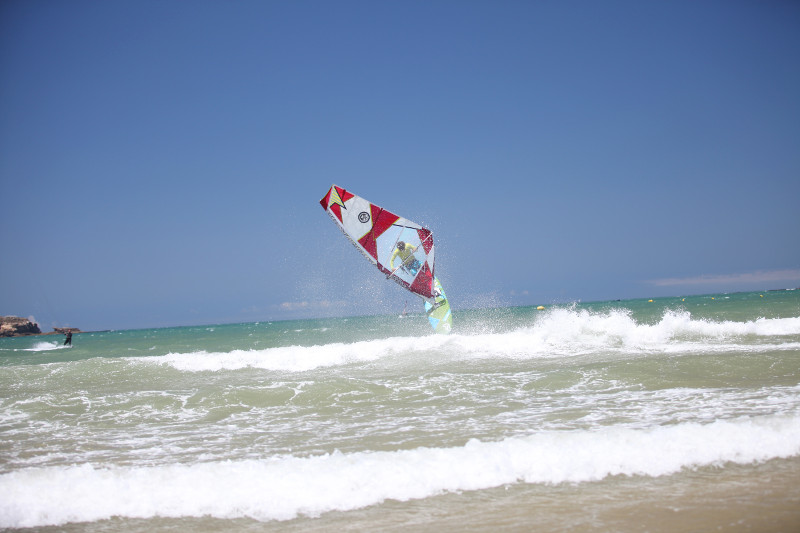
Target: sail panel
pixel 376 232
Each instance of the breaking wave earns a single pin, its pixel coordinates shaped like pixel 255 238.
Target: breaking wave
pixel 557 333
pixel 282 488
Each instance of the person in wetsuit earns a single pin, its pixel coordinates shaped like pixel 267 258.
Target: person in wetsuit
pixel 68 340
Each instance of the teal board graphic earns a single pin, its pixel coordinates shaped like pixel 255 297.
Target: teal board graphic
pixel 439 314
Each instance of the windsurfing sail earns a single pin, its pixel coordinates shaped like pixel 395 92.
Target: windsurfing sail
pixel 401 249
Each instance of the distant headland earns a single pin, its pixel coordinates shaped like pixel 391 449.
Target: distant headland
pixel 14 326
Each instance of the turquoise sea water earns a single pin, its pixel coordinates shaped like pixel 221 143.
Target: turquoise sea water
pixel 676 414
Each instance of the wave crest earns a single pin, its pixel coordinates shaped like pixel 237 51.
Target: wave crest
pixel 557 333
pixel 282 488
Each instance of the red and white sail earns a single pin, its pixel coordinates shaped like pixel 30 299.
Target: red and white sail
pixel 376 231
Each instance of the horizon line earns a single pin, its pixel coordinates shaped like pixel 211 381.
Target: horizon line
pixel 757 276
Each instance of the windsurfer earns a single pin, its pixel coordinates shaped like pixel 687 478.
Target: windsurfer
pixel 406 254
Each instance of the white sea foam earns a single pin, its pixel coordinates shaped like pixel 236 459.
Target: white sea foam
pixel 558 333
pixel 44 346
pixel 290 358
pixel 282 488
pixel 618 327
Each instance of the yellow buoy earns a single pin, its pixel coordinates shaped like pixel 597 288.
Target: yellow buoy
pixel 649 300
pixel 540 308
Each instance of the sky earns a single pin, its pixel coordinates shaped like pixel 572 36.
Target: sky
pixel 162 162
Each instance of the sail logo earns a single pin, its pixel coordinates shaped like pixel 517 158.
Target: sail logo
pixel 363 217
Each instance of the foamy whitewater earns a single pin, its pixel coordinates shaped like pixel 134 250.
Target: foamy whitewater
pixel 372 423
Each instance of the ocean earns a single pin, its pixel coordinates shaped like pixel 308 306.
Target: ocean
pixel 679 414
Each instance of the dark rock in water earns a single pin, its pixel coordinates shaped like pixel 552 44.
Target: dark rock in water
pixel 63 331
pixel 14 326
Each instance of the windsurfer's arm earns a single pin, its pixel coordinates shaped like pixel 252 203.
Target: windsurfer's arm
pixel 391 261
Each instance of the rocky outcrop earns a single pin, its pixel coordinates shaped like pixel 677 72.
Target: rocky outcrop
pixel 14 326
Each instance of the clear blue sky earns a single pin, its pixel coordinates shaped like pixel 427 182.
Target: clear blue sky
pixel 161 162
